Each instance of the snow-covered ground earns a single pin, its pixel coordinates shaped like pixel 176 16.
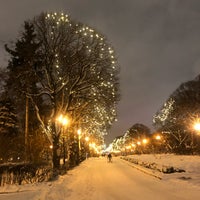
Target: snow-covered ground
pixel 95 179
pixel 190 164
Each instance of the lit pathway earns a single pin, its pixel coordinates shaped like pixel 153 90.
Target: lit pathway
pixel 95 179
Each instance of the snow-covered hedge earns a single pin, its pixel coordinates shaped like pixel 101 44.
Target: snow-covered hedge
pixel 24 173
pixel 153 166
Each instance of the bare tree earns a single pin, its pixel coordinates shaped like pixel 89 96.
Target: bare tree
pixel 177 115
pixel 77 76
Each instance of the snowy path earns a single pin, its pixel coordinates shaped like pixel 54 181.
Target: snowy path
pixel 95 179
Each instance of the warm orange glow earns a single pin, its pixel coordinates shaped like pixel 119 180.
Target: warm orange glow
pixel 60 118
pixel 92 144
pixel 79 131
pixel 144 141
pixel 197 126
pixel 128 147
pixel 158 137
pixel 87 138
pixel 63 120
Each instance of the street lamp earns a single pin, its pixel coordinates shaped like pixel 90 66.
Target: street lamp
pixel 144 141
pixel 79 142
pixel 197 126
pixel 133 145
pixel 64 121
pixel 87 138
pixel 87 150
pixel 158 137
pixel 157 143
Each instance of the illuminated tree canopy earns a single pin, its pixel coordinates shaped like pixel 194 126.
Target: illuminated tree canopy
pixel 181 107
pixel 177 115
pixel 76 74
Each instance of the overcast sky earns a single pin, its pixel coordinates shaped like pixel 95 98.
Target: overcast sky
pixel 157 44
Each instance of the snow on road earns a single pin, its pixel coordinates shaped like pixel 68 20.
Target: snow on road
pixel 95 179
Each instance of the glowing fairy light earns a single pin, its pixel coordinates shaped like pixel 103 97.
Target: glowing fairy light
pixel 167 109
pixel 110 51
pixel 93 44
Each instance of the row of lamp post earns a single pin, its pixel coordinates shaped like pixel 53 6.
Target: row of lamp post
pixel 64 123
pixel 157 137
pixel 140 144
pixel 86 138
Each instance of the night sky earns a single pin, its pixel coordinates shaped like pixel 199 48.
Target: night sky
pixel 157 43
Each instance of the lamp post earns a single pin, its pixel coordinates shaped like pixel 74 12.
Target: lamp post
pixel 51 153
pixel 87 150
pixel 196 127
pixel 157 143
pixel 158 137
pixel 79 139
pixel 145 141
pixel 64 121
pixel 145 145
pixel 87 138
pixel 79 144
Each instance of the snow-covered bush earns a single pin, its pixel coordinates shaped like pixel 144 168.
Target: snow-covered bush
pixel 24 173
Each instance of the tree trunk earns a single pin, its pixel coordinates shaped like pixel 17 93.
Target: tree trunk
pixel 26 129
pixel 56 153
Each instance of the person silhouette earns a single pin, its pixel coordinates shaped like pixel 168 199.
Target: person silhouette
pixel 109 157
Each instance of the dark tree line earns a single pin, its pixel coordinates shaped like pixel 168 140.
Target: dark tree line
pixel 176 118
pixel 133 139
pixel 174 124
